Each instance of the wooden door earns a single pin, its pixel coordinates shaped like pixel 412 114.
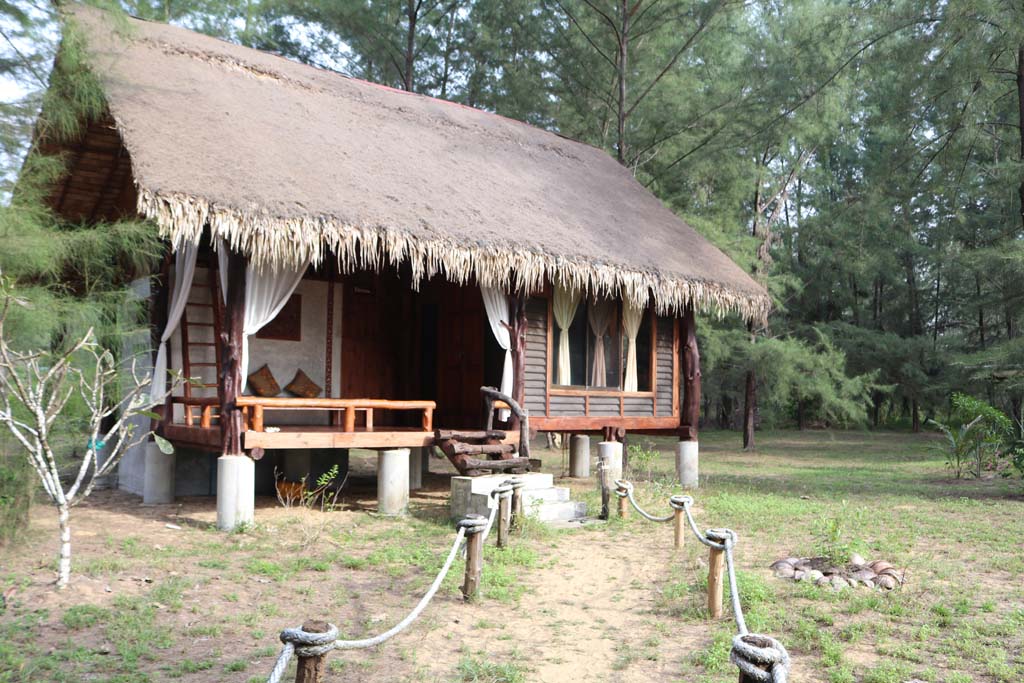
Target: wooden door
pixel 460 356
pixel 368 360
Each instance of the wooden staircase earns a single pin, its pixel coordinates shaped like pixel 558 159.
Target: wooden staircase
pixel 465 448
pixel 479 452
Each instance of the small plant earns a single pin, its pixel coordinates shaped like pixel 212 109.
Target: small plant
pixel 987 439
pixel 323 495
pixel 642 457
pixel 832 538
pixel 961 446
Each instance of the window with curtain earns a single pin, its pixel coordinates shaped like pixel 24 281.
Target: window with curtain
pixel 592 353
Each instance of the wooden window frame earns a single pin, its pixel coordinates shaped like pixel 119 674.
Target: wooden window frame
pixel 587 392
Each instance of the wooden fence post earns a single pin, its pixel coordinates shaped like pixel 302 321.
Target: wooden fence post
pixel 517 504
pixel 474 561
pixel 716 567
pixel 678 523
pixel 312 669
pixel 623 503
pixel 504 518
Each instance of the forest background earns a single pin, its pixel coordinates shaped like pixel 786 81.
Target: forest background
pixel 864 160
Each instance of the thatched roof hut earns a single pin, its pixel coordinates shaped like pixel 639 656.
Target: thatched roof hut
pixel 288 162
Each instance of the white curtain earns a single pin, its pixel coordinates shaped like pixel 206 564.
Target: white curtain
pixel 599 314
pixel 631 319
pixel 564 306
pixel 184 269
pixel 266 292
pixel 497 306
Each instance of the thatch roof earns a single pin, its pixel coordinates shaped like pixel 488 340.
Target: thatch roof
pixel 287 161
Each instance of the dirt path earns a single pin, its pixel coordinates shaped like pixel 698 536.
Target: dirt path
pixel 589 615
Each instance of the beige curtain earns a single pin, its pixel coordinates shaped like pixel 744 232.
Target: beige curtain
pixel 267 290
pixel 599 314
pixel 631 319
pixel 497 307
pixel 564 306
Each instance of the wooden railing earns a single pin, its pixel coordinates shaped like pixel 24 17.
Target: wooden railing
pixel 253 408
pixel 206 404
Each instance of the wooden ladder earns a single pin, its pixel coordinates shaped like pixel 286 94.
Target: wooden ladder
pixel 211 323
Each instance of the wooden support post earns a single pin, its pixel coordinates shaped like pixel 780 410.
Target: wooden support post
pixel 312 669
pixel 623 505
pixel 690 413
pixel 716 576
pixel 504 519
pixel 603 473
pixel 350 419
pixel 517 507
pixel 517 339
pixel 231 356
pixel 679 527
pixel 206 416
pixel 257 418
pixel 474 564
pixel 428 419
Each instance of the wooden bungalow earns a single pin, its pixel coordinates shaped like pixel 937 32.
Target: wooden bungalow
pixel 348 264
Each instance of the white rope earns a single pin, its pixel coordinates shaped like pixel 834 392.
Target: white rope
pixel 624 489
pixel 751 652
pixel 312 644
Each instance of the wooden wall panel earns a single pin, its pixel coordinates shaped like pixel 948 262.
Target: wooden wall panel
pixel 536 356
pixel 665 378
pixel 567 406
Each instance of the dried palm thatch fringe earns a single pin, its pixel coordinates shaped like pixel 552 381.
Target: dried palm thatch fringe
pixel 271 241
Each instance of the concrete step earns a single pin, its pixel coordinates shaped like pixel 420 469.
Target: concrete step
pixel 553 494
pixel 558 512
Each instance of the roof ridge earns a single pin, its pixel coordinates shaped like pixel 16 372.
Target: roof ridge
pixel 350 77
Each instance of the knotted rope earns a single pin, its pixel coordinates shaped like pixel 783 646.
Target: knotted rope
pixel 306 644
pixel 751 652
pixel 759 657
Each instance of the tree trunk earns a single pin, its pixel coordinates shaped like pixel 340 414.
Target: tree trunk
pixel 64 566
pixel 623 58
pixel 749 403
pixel 1020 121
pixel 915 417
pixel 981 312
pixel 800 415
pixel 410 44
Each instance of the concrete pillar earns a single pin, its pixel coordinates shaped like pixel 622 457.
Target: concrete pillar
pixel 416 458
pixel 610 453
pixel 686 463
pixel 236 495
pixel 393 481
pixel 157 476
pixel 579 456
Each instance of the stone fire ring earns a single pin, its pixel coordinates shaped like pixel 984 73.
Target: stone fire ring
pixel 877 574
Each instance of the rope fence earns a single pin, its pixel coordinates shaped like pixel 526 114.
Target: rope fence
pixel 314 639
pixel 760 658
